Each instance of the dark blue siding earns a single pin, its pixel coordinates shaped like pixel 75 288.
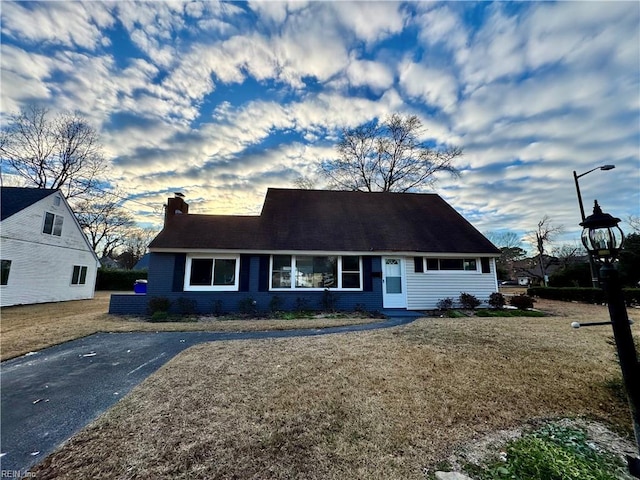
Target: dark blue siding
pixel 162 283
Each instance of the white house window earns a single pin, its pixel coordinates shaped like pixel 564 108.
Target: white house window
pixel 212 273
pixel 79 276
pixel 53 224
pixel 452 264
pixel 6 268
pixel 316 272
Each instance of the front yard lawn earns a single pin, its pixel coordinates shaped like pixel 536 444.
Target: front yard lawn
pixel 386 404
pixel 28 328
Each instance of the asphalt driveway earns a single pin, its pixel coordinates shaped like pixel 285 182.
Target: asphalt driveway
pixel 49 395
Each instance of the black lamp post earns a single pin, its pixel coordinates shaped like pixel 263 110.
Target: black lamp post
pixel 603 240
pixel 592 266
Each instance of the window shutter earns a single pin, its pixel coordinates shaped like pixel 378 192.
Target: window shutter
pixel 367 274
pixel 263 274
pixel 178 272
pixel 245 270
pixel 418 264
pixel 486 265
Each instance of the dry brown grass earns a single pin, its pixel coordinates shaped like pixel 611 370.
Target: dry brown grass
pixel 374 405
pixel 29 328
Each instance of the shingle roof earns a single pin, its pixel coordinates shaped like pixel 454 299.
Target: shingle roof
pixel 322 220
pixel 14 199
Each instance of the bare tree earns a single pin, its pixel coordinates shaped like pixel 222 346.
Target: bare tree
pixel 541 237
pixel 568 254
pixel 510 245
pixel 388 156
pixel 63 152
pixel 305 183
pixel 135 243
pixel 105 223
pixel 634 223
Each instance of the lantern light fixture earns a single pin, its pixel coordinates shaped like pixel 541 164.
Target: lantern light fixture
pixel 601 235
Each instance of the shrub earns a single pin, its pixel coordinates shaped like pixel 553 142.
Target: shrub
pixel 360 308
pixel 445 304
pixel 497 300
pixel 469 301
pixel 247 306
pixel 328 301
pixel 186 306
pixel 276 303
pixel 119 280
pixel 159 316
pixel 217 308
pixel 302 304
pixel 587 295
pixel 158 304
pixel 522 302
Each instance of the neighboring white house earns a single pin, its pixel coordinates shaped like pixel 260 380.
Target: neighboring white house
pixel 44 255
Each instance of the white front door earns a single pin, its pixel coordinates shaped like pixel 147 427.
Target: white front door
pixel 393 285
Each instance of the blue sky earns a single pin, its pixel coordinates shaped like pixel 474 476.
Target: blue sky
pixel 223 100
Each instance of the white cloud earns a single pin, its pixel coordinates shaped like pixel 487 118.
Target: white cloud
pixel 436 87
pixel 62 23
pixel 370 21
pixel 23 77
pixel 376 75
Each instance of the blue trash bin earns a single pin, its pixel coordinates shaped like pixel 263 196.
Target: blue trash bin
pixel 140 287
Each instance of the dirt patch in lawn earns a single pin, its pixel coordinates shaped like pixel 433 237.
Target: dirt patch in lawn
pixel 376 405
pixel 28 328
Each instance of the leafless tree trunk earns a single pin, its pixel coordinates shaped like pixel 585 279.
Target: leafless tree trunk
pixel 63 152
pixel 544 234
pixel 388 157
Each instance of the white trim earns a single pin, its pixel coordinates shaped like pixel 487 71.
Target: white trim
pixel 211 288
pixel 293 287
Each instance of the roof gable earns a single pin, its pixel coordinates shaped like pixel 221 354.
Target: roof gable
pixel 15 199
pixel 323 220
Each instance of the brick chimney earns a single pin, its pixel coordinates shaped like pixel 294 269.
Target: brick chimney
pixel 175 206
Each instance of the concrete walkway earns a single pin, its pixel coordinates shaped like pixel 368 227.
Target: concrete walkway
pixel 49 395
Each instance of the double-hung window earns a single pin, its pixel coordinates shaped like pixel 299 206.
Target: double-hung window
pixel 52 224
pixel 79 276
pixel 217 272
pixel 316 272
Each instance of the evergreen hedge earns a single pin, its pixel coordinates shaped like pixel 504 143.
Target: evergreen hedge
pixel 582 294
pixel 121 280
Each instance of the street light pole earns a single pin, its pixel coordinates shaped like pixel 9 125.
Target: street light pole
pixel 603 239
pixel 592 266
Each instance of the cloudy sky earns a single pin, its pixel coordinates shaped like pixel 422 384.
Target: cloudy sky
pixel 223 100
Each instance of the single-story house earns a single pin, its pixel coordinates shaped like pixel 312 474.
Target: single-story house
pixel 373 251
pixel 44 254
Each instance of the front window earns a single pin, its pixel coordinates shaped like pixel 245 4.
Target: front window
pixel 212 273
pixel 316 272
pixel 53 224
pixel 6 268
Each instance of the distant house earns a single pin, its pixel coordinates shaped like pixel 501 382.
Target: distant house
pixel 375 251
pixel 44 254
